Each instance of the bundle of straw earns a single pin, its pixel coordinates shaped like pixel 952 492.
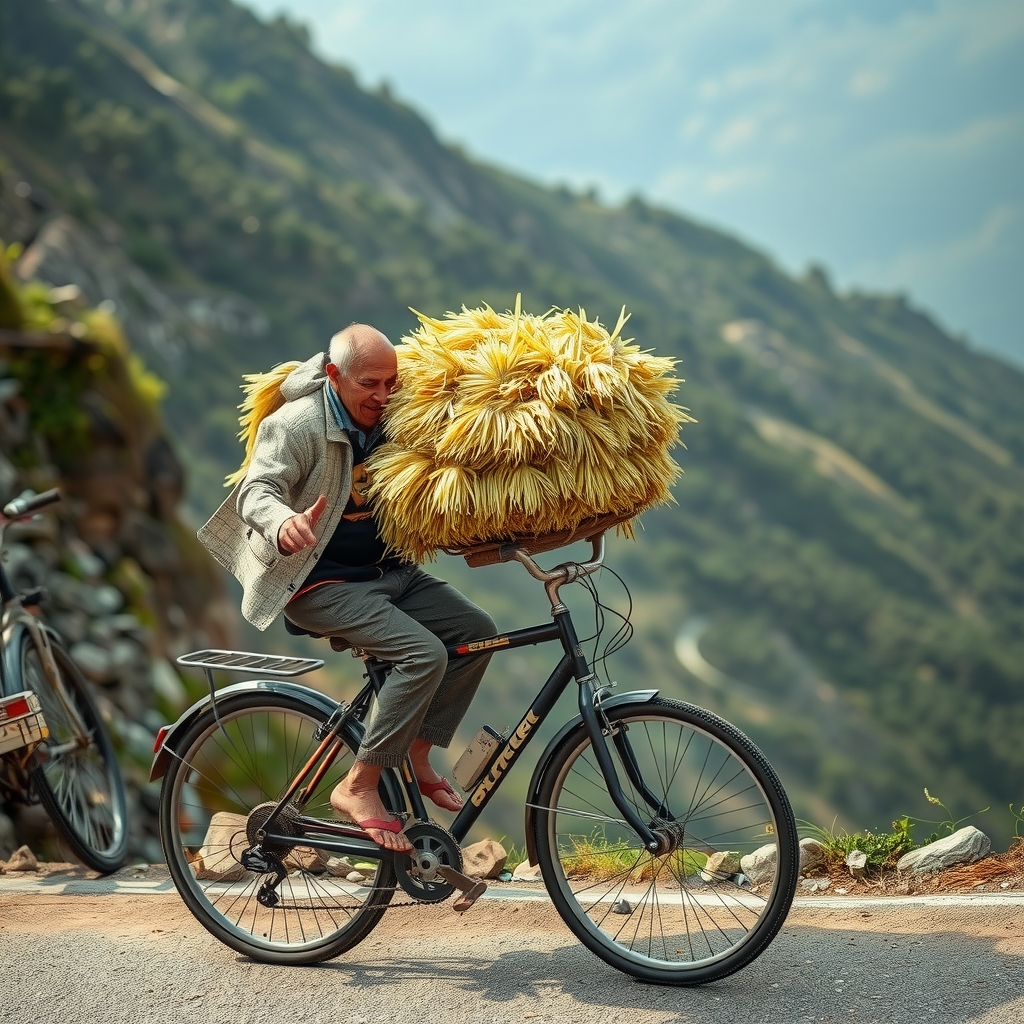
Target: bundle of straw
pixel 511 426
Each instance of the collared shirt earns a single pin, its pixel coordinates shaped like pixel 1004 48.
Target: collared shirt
pixel 367 439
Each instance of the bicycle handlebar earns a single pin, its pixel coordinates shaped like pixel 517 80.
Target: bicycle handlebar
pixel 26 505
pixel 566 572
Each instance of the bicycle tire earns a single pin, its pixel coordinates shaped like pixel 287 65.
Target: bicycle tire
pixel 660 919
pixel 79 786
pixel 230 768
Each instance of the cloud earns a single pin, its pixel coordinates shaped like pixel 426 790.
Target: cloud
pixel 868 82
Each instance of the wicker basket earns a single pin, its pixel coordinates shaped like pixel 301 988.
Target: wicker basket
pixel 490 553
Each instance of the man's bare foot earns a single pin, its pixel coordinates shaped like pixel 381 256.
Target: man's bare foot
pixel 356 797
pixel 432 785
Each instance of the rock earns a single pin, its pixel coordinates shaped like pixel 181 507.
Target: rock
pixel 963 847
pixel 721 866
pixel 759 866
pixel 23 859
pixel 224 843
pixel 812 855
pixel 526 872
pixel 356 877
pixel 622 907
pixel 484 859
pixel 167 683
pixel 815 884
pixel 857 862
pixel 305 858
pixel 339 867
pixel 94 661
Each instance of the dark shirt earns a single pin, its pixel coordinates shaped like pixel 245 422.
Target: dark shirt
pixel 355 551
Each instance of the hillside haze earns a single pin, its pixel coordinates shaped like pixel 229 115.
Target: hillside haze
pixel 843 574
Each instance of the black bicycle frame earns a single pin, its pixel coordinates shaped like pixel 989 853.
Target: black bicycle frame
pixel 341 838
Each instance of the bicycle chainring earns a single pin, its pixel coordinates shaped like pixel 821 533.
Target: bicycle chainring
pixel 433 846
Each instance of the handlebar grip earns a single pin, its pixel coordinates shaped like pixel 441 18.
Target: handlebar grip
pixel 27 504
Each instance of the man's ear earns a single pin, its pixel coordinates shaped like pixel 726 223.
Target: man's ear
pixel 332 372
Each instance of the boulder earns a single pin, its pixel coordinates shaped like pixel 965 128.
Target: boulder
pixel 759 866
pixel 305 858
pixel 224 843
pixel 963 847
pixel 484 859
pixel 812 855
pixel 721 866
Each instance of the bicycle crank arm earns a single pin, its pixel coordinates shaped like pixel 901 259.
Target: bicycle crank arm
pixel 471 888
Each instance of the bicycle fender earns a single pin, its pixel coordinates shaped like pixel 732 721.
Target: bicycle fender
pixel 12 648
pixel 533 793
pixel 175 732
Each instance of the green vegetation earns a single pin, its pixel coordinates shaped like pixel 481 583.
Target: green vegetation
pixel 594 857
pixel 851 523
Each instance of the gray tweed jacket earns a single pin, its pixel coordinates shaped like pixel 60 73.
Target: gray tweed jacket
pixel 300 453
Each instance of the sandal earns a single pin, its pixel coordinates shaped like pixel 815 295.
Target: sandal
pixel 431 789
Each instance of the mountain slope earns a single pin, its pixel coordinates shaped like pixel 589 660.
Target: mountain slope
pixel 848 549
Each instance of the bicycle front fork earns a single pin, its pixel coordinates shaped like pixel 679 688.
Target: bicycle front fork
pixel 598 728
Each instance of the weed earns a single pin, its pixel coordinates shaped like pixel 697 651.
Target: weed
pixel 594 856
pixel 882 849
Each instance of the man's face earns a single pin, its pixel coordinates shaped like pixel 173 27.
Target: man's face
pixel 365 389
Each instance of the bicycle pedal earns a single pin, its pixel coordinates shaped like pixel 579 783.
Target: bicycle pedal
pixel 472 889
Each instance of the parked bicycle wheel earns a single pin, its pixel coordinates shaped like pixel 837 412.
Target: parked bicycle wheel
pixel 673 918
pixel 77 778
pixel 215 779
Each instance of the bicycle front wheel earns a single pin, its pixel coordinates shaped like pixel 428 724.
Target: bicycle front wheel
pixel 714 902
pixel 77 778
pixel 219 775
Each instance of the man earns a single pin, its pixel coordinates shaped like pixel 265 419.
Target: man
pixel 326 567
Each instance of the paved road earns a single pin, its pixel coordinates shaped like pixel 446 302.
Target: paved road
pixel 127 951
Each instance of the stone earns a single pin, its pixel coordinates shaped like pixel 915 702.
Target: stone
pixel 484 859
pixel 526 872
pixel 167 683
pixel 94 661
pixel 339 867
pixel 759 866
pixel 857 862
pixel 721 866
pixel 23 859
pixel 815 884
pixel 224 843
pixel 305 858
pixel 965 846
pixel 812 855
pixel 355 877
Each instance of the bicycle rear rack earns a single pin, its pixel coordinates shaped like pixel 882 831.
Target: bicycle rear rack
pixel 246 661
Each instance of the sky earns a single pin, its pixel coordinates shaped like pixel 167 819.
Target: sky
pixel 881 139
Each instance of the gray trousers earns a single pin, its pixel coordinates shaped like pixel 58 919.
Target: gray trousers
pixel 406 617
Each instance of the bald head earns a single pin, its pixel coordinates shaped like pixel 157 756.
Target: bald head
pixel 356 342
pixel 363 371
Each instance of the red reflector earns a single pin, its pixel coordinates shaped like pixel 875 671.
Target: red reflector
pixel 16 708
pixel 160 738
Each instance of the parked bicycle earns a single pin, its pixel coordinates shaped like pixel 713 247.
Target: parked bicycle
pixel 626 806
pixel 71 770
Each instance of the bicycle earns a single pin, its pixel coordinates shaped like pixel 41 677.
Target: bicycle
pixel 73 770
pixel 625 807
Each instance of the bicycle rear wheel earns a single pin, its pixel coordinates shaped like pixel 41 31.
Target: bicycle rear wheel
pixel 214 781
pixel 675 919
pixel 77 777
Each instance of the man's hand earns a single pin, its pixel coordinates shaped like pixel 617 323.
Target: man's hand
pixel 297 533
